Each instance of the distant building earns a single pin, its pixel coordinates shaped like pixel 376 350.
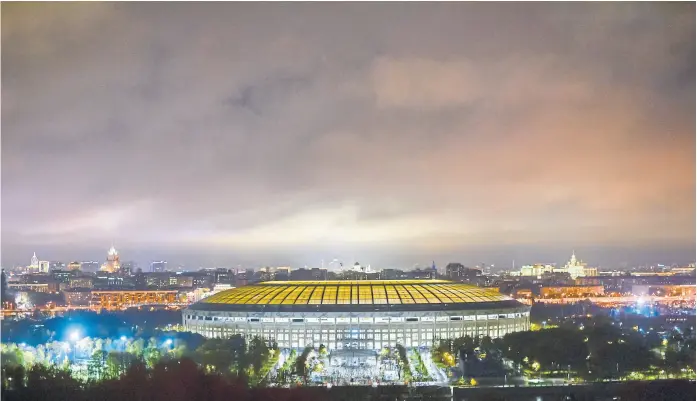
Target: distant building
pixel 33 264
pixel 575 291
pixel 392 274
pixel 179 281
pixel 664 290
pixel 687 271
pixel 62 276
pixel 417 273
pixel 112 264
pixel 486 269
pixel 81 282
pixel 56 266
pixel 77 296
pixel 139 280
pixel 106 280
pixel 457 271
pixel 159 266
pixel 159 280
pixel 46 287
pixel 44 266
pixel 3 287
pixel 319 273
pixel 200 279
pixel 115 300
pixel 301 275
pixel 576 268
pixel 222 275
pixel 127 268
pixel 89 266
pixel 536 270
pixel 282 274
pixel 197 294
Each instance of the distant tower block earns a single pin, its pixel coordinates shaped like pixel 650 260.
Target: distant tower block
pixel 112 264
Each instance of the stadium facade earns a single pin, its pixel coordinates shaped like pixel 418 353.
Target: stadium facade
pixel 357 314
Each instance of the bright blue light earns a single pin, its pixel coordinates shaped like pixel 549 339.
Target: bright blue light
pixel 168 342
pixel 123 338
pixel 74 335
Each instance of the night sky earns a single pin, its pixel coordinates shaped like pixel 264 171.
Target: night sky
pixel 391 134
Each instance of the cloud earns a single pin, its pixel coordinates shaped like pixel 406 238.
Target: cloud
pixel 424 84
pixel 442 128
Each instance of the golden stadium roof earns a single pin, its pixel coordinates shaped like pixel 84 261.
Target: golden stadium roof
pixel 380 294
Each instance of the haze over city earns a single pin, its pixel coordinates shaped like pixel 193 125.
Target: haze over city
pixel 274 134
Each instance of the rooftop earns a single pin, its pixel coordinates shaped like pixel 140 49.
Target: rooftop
pixel 372 294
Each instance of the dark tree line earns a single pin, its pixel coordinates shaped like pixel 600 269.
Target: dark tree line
pixel 173 380
pixel 598 350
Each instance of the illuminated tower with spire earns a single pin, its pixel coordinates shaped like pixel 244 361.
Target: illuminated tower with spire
pixel 34 264
pixel 112 264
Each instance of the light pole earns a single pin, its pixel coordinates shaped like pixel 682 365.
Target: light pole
pixel 568 373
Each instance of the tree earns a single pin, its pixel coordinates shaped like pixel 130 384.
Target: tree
pixel 301 363
pixel 220 355
pixel 96 367
pixel 117 363
pixel 257 354
pixel 151 356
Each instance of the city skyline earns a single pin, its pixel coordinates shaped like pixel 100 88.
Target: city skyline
pixel 287 134
pixel 334 263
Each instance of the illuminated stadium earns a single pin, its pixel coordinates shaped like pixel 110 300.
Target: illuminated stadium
pixel 366 315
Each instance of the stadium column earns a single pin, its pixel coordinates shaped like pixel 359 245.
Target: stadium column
pixel 305 329
pixel 389 332
pixel 433 331
pixel 449 334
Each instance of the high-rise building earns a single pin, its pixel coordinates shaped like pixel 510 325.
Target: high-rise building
pixel 112 263
pixel 3 287
pixel 44 266
pixel 576 268
pixel 72 266
pixel 33 264
pixel 159 266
